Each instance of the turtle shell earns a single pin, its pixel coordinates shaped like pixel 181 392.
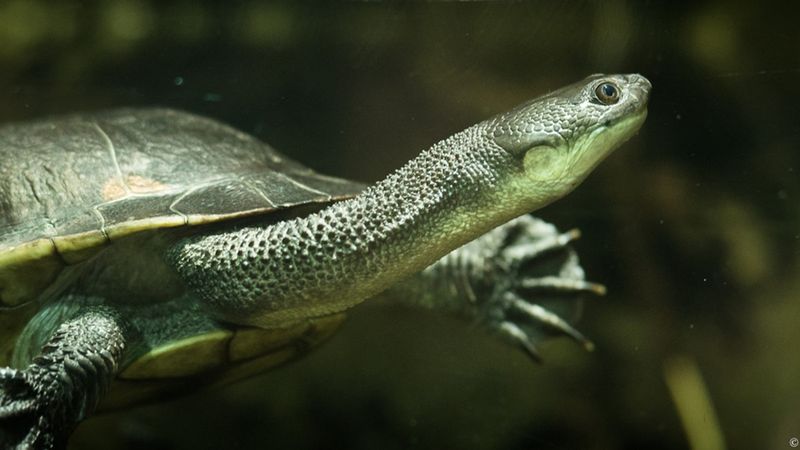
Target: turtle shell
pixel 71 186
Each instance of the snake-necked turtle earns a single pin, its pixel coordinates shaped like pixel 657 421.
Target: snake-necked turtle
pixel 148 250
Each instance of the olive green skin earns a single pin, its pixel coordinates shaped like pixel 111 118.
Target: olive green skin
pixel 92 204
pixel 125 184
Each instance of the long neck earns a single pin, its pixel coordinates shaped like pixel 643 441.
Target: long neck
pixel 333 259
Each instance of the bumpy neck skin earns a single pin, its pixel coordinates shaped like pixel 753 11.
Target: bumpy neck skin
pixel 450 194
pixel 352 250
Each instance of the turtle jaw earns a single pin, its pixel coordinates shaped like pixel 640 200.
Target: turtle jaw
pixel 557 157
pixel 551 171
pixel 592 148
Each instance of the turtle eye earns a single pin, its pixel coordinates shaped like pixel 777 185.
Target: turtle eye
pixel 607 93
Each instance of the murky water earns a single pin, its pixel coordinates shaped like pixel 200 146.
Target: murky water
pixel 692 225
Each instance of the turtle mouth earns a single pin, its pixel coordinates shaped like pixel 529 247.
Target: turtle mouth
pixel 593 149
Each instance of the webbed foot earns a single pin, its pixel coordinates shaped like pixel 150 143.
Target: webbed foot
pixel 537 285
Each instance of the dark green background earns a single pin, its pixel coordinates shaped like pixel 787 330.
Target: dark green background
pixel 693 225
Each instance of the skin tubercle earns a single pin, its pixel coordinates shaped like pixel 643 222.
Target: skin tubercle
pixel 396 228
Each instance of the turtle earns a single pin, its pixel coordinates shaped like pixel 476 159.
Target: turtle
pixel 147 251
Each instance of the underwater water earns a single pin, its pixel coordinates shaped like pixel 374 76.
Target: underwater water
pixel 693 225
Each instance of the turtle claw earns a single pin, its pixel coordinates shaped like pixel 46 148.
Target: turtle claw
pixel 559 284
pixel 19 426
pixel 25 413
pixel 542 284
pixel 535 314
pixel 16 395
pixel 41 404
pixel 540 245
pixel 512 332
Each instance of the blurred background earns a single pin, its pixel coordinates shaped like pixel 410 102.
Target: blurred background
pixel 692 226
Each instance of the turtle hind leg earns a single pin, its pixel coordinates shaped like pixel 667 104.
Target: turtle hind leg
pixel 41 404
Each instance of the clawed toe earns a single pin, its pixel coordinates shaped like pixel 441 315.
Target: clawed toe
pixel 537 285
pixel 512 332
pixel 19 407
pixel 16 395
pixel 537 315
pixel 523 322
pixel 559 284
pixel 535 248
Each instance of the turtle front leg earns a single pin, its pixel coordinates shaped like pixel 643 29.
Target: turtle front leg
pixel 522 280
pixel 41 404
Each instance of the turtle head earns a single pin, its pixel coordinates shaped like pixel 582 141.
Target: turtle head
pixel 560 137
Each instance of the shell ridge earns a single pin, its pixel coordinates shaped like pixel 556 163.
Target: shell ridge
pixel 112 150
